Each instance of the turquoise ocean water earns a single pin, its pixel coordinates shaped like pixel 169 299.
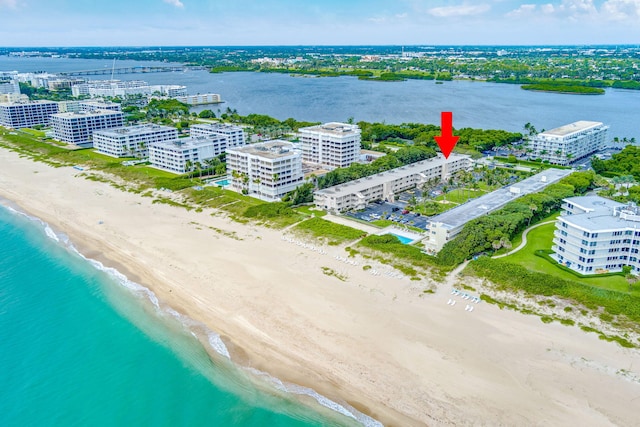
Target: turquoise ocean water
pixel 80 346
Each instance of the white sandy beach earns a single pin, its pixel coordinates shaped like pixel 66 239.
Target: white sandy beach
pixel 373 341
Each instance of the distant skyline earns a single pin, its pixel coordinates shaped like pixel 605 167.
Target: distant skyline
pixel 317 22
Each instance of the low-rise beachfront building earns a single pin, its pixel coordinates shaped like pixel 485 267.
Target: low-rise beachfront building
pixel 267 170
pixel 568 143
pixel 330 145
pixel 355 195
pixel 234 134
pixel 446 226
pixel 200 99
pixel 597 235
pixel 132 141
pixel 27 114
pixel 77 128
pixel 185 154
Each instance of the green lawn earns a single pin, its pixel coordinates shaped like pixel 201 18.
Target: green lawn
pixel 541 238
pixel 34 132
pixel 311 211
pixel 461 195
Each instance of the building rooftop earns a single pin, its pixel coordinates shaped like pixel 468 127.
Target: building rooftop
pixel 187 143
pixel 601 215
pixel 216 126
pixel 362 184
pixel 333 128
pixel 134 130
pixel 565 130
pixel 38 101
pixel 475 208
pixel 93 113
pixel 274 149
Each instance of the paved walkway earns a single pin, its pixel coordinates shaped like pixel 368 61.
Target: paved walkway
pixel 524 239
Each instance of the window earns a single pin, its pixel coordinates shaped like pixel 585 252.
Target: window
pixel 594 234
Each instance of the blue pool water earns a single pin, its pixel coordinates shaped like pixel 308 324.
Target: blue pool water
pixel 403 240
pixel 222 183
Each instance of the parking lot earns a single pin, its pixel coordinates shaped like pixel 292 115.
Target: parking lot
pixel 395 212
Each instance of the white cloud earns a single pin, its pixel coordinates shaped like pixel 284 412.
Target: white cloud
pixel 523 10
pixel 11 4
pixel 176 3
pixel 581 10
pixel 621 10
pixel 547 9
pixel 459 10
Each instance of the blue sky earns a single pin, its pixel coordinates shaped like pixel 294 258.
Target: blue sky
pixel 294 22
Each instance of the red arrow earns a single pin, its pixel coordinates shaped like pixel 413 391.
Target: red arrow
pixel 446 141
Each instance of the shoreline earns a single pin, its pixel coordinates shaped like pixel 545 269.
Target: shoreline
pixel 226 349
pixel 374 342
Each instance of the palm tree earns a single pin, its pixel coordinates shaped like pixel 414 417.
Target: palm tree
pixel 188 165
pixel 533 208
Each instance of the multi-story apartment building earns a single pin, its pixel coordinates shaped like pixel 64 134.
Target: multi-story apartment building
pixel 123 88
pixel 234 134
pixel 77 128
pixel 78 106
pixel 200 99
pixel 569 143
pixel 355 195
pixel 597 235
pixel 27 114
pixel 132 141
pixel 267 170
pixel 9 83
pixel 331 145
pixel 185 154
pixel 446 226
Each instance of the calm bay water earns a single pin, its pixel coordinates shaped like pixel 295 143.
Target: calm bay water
pixel 474 104
pixel 78 348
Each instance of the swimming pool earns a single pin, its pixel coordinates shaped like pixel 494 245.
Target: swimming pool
pixel 222 183
pixel 404 240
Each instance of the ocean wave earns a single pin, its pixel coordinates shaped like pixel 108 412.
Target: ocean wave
pixel 344 408
pixel 213 339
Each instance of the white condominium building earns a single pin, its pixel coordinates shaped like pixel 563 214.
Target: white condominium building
pixel 331 145
pixel 200 99
pixel 355 195
pixel 132 141
pixel 569 143
pixel 185 154
pixel 8 83
pixel 446 226
pixel 123 88
pixel 597 235
pixel 78 106
pixel 27 114
pixel 78 128
pixel 267 170
pixel 234 134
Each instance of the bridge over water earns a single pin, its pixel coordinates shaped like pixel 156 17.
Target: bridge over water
pixel 132 70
